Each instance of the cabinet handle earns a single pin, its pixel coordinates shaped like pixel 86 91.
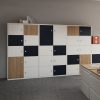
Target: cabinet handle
pixel 54 50
pixel 77 59
pixel 54 70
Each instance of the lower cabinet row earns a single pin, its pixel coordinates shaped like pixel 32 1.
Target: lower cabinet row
pixel 32 69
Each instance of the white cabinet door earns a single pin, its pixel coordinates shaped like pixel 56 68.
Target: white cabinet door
pixel 85 40
pixel 31 40
pixel 95 83
pixel 45 66
pixel 60 34
pixel 15 29
pixel 73 49
pixel 73 69
pixel 96 49
pixel 85 89
pixel 31 67
pixel 85 49
pixel 93 95
pixel 15 51
pixel 46 50
pixel 59 60
pixel 73 40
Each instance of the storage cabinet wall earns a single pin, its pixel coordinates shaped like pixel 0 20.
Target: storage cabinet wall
pixel 47 50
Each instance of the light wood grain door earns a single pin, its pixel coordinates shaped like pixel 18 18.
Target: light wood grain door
pixel 15 67
pixel 85 59
pixel 30 29
pixel 73 30
pixel 20 67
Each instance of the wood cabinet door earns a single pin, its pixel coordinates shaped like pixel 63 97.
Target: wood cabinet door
pixel 15 28
pixel 59 50
pixel 72 59
pixel 30 29
pixel 73 30
pixel 46 50
pixel 46 35
pixel 20 67
pixel 15 40
pixel 60 34
pixel 15 67
pixel 72 69
pixel 85 59
pixel 59 70
pixel 45 66
pixel 12 62
pixel 30 50
pixel 85 31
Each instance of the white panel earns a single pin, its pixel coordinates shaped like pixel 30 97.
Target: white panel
pixel 95 49
pixel 59 60
pixel 85 89
pixel 73 40
pixel 15 29
pixel 15 51
pixel 84 75
pixel 46 50
pixel 45 66
pixel 30 67
pixel 85 49
pixel 60 34
pixel 73 69
pixel 93 95
pixel 46 71
pixel 85 40
pixel 31 40
pixel 95 83
pixel 73 49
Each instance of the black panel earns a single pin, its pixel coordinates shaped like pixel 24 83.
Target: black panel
pixel 96 58
pixel 59 70
pixel 15 40
pixel 73 59
pixel 85 31
pixel 59 50
pixel 30 50
pixel 46 35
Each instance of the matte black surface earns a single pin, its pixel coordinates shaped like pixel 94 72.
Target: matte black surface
pixel 96 58
pixel 30 50
pixel 59 70
pixel 59 50
pixel 46 35
pixel 73 59
pixel 85 31
pixel 15 40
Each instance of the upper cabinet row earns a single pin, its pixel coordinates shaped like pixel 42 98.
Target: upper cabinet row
pixel 34 29
pixel 78 30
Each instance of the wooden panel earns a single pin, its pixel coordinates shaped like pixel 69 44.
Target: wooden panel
pixel 15 67
pixel 30 30
pixel 20 67
pixel 73 30
pixel 12 62
pixel 85 59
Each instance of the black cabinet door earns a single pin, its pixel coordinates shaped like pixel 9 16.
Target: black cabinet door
pixel 73 59
pixel 96 58
pixel 85 31
pixel 59 70
pixel 46 35
pixel 15 40
pixel 59 50
pixel 30 50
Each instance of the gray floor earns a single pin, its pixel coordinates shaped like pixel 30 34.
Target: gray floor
pixel 57 88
